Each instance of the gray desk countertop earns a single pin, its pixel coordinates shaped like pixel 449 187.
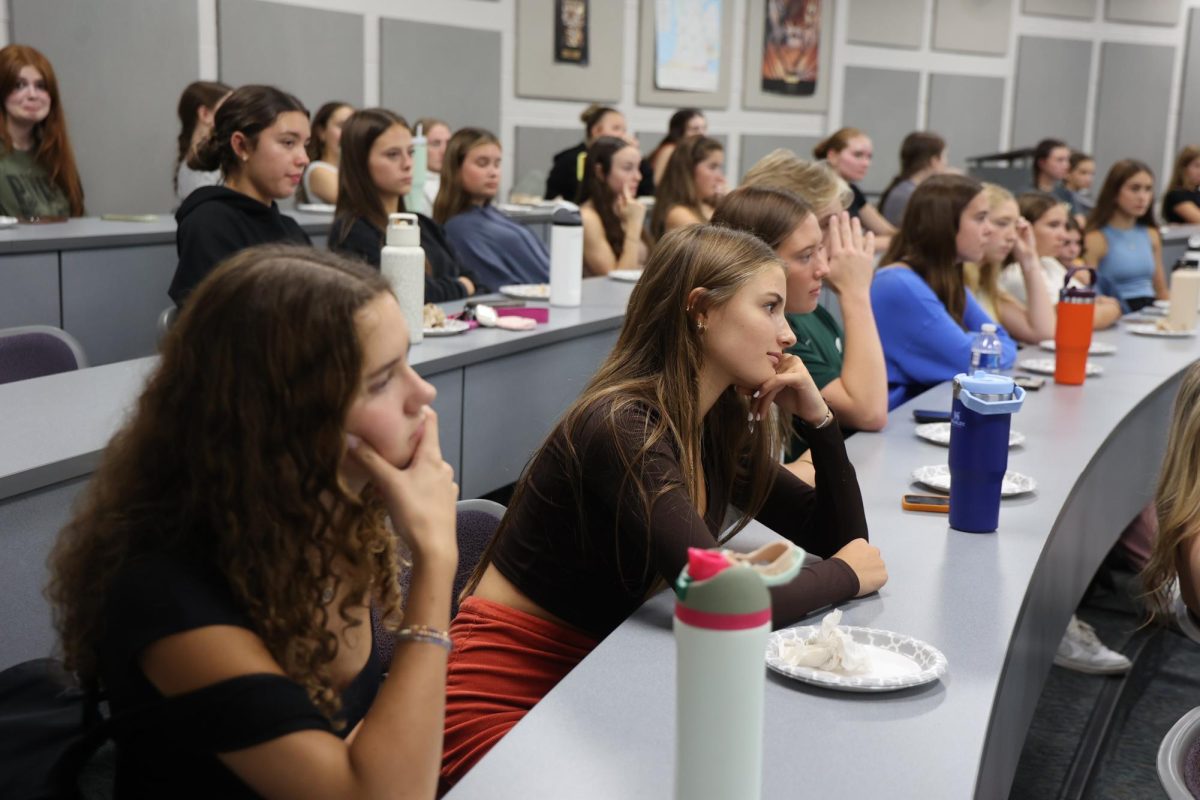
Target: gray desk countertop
pixel 995 604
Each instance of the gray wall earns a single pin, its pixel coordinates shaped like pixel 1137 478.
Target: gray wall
pixel 755 146
pixel 1074 9
pixel 973 134
pixel 972 26
pixel 1125 109
pixel 118 90
pixel 538 75
pixel 314 54
pixel 883 103
pixel 533 154
pixel 1051 90
pixel 891 23
pixel 418 79
pixel 1189 105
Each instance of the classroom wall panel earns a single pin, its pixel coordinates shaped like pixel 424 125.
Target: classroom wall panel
pixel 539 75
pixel 533 155
pixel 973 134
pixel 972 26
pixel 1146 12
pixel 118 90
pixel 891 23
pixel 754 96
pixel 883 103
pixel 1189 100
pixel 467 87
pixel 1050 98
pixel 1129 119
pixel 754 146
pixel 649 95
pixel 314 54
pixel 1076 9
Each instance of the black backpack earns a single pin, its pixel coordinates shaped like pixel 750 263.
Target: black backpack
pixel 50 729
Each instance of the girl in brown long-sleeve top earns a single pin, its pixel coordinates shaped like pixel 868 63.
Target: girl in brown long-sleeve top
pixel 675 427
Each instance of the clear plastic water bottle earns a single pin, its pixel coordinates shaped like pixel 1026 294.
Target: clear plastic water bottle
pixel 986 350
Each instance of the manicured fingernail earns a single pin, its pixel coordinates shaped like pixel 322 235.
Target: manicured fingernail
pixel 759 417
pixel 352 441
pixel 757 393
pixel 750 417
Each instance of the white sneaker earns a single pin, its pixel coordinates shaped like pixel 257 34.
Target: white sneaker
pixel 1081 650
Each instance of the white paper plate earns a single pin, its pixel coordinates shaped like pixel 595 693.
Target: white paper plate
pixel 939 433
pixel 8 222
pixel 316 208
pixel 1150 329
pixel 1096 349
pixel 937 476
pixel 1045 366
pixel 626 275
pixel 527 291
pixel 897 661
pixel 453 327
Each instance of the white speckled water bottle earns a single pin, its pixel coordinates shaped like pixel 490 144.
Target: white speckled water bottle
pixel 415 199
pixel 402 262
pixel 566 258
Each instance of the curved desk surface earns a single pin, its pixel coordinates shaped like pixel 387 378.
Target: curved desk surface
pixel 995 604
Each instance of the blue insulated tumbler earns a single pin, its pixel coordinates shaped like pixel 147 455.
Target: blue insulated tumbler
pixel 979 422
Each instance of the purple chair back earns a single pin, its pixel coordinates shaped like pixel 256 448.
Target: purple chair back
pixel 36 350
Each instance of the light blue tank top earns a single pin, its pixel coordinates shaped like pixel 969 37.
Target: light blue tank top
pixel 1127 269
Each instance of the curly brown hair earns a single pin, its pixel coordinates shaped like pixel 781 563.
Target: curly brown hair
pixel 231 459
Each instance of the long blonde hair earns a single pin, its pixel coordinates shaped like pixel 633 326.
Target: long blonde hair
pixel 656 364
pixel 983 279
pixel 814 181
pixel 1177 499
pixel 452 199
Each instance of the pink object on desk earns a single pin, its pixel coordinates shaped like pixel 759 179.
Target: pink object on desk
pixel 539 314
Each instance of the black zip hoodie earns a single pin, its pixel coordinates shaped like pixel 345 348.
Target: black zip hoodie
pixel 215 222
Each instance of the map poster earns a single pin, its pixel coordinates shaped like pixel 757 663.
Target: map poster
pixel 791 47
pixel 687 45
pixel 571 32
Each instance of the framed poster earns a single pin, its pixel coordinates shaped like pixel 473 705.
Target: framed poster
pixel 788 55
pixel 571 32
pixel 687 45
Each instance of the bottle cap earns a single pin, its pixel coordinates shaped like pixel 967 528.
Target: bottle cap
pixel 988 327
pixel 403 231
pixel 988 393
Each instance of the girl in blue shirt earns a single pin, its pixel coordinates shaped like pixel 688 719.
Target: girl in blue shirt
pixel 1122 240
pixel 926 316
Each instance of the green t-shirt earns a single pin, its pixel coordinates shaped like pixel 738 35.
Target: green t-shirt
pixel 819 345
pixel 26 190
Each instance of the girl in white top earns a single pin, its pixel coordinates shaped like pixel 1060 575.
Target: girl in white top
pixel 437 136
pixel 197 106
pixel 324 152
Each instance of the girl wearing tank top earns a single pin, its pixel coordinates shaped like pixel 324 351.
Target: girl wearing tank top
pixel 1122 240
pixel 222 573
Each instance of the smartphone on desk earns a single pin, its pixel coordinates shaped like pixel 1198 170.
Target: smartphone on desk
pixel 928 415
pixel 938 504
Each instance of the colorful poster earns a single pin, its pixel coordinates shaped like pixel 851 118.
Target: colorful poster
pixel 687 45
pixel 791 46
pixel 571 32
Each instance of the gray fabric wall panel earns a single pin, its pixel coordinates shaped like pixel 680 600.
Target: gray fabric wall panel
pixel 893 23
pixel 649 95
pixel 966 111
pixel 1051 91
pixel 972 26
pixel 1130 121
pixel 467 88
pixel 1146 12
pixel 883 103
pixel 314 54
pixel 1189 101
pixel 1075 9
pixel 111 72
pixel 533 154
pixel 538 75
pixel 754 146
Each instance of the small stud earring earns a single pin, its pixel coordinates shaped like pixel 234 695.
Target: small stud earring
pixel 700 326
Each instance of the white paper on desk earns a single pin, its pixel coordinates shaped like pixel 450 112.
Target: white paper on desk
pixel 830 649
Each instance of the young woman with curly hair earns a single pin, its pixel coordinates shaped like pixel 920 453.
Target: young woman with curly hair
pixel 218 577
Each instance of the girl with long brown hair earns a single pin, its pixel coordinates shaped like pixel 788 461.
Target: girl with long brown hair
pixel 258 140
pixel 490 244
pixel 566 174
pixel 922 154
pixel 691 187
pixel 320 183
pixel 683 123
pixel 218 577
pixel 1121 240
pixel 849 152
pixel 1181 204
pixel 675 426
pixel 375 175
pixel 614 230
pixel 38 176
pixel 197 108
pixel 927 318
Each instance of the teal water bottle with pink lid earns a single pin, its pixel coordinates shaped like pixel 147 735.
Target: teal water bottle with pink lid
pixel 722 621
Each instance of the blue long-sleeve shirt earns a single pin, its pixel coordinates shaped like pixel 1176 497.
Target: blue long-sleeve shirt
pixel 497 249
pixel 922 344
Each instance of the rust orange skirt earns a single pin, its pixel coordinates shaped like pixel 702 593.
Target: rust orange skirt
pixel 503 662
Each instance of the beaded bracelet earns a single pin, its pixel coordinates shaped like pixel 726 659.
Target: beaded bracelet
pixel 424 633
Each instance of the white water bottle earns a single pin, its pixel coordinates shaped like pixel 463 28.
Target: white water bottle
pixel 566 258
pixel 402 262
pixel 722 621
pixel 415 199
pixel 986 350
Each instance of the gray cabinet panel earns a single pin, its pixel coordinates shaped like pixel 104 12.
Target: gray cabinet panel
pixel 111 299
pixel 29 290
pixel 499 436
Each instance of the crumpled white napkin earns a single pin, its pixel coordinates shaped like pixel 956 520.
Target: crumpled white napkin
pixel 830 649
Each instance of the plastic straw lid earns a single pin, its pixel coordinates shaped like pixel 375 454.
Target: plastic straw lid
pixel 403 231
pixel 1078 294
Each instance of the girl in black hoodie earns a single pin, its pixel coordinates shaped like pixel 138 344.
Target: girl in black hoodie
pixel 258 140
